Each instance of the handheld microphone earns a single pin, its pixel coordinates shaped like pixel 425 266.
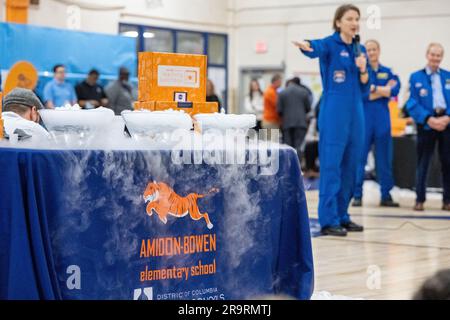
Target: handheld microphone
pixel 357 45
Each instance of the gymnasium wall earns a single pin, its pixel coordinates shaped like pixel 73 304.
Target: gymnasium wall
pixel 406 27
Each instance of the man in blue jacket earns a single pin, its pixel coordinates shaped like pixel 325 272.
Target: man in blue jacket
pixel 384 85
pixel 429 105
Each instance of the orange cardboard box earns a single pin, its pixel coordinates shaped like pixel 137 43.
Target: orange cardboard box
pixel 144 105
pixel 206 107
pixel 172 77
pixel 191 108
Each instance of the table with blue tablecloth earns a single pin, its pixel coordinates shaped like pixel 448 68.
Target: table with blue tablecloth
pixel 80 225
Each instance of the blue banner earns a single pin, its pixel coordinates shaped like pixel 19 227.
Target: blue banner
pixel 78 51
pixel 134 225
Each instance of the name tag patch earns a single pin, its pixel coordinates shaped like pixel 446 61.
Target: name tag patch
pixel 382 76
pixel 339 76
pixel 345 54
pixel 419 85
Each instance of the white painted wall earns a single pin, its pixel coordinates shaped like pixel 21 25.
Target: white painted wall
pixel 407 26
pixel 105 15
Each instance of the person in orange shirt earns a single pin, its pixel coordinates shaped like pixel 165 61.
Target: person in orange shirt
pixel 271 119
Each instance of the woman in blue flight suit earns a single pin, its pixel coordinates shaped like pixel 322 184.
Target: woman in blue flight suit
pixel 384 85
pixel 345 78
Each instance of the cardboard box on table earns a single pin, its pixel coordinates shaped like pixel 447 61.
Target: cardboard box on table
pixel 173 81
pixel 191 108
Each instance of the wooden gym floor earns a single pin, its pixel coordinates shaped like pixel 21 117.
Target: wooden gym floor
pixel 392 258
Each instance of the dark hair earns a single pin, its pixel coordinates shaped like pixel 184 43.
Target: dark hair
pixel 17 108
pixel 94 72
pixel 124 70
pixel 212 86
pixel 276 77
pixel 250 89
pixel 296 80
pixel 341 11
pixel 57 67
pixel 435 288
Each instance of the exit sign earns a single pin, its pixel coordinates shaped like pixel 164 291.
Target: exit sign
pixel 261 47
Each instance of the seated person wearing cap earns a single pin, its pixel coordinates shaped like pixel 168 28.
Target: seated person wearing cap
pixel 20 113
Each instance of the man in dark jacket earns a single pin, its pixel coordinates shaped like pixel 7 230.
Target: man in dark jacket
pixel 294 103
pixel 120 93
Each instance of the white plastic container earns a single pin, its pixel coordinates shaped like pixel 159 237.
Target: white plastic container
pixel 143 122
pixel 223 122
pixel 76 120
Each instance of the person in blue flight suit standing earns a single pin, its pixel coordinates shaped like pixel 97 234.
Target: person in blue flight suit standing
pixel 384 85
pixel 345 78
pixel 429 105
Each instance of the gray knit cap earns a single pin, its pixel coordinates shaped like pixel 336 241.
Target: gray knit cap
pixel 22 97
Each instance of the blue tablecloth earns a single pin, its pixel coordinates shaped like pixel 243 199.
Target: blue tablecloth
pixel 73 225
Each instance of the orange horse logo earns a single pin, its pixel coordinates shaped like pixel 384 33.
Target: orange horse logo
pixel 164 201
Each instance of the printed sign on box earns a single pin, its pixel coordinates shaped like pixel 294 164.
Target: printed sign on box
pixel 173 76
pixel 163 74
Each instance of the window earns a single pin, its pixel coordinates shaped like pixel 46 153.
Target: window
pixel 219 78
pixel 131 32
pixel 191 43
pixel 157 40
pixel 216 49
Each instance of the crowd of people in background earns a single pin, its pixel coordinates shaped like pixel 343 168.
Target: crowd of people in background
pixel 356 119
pixel 290 110
pixel 89 94
pixel 119 95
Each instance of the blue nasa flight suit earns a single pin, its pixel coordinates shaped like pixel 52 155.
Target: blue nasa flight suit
pixel 378 133
pixel 420 104
pixel 420 107
pixel 341 126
